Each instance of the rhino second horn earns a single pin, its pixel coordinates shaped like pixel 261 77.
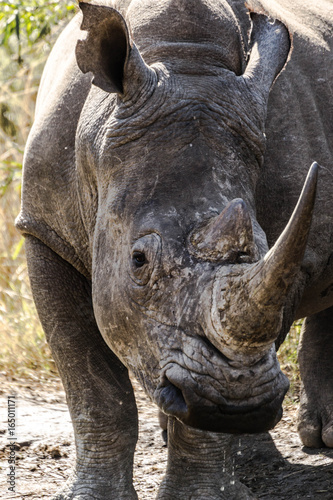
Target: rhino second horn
pixel 248 301
pixel 227 237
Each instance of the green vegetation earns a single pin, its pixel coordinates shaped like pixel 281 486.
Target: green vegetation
pixel 28 29
pixel 288 360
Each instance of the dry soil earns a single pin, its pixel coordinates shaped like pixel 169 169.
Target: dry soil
pixel 274 465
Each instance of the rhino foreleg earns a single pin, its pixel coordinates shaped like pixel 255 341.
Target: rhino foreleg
pixel 315 419
pixel 99 393
pixel 200 466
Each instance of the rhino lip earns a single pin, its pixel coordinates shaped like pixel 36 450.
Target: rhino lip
pixel 231 419
pixel 177 397
pixel 252 420
pixel 171 400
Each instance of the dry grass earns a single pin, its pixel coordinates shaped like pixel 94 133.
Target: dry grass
pixel 288 360
pixel 23 350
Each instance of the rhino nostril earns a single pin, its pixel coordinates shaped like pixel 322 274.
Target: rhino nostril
pixel 214 349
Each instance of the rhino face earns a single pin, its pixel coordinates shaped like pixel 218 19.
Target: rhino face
pixel 185 290
pixel 155 312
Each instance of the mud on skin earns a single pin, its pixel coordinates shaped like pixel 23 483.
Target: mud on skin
pixel 177 223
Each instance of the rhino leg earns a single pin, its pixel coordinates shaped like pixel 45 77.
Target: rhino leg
pixel 315 418
pixel 99 393
pixel 200 466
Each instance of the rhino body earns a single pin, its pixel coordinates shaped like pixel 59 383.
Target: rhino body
pixel 170 146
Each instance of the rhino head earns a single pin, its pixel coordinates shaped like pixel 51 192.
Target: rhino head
pixel 170 146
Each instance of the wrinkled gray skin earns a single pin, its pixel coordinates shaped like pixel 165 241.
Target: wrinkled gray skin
pixel 150 200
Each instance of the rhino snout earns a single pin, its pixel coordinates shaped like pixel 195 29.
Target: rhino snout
pixel 217 397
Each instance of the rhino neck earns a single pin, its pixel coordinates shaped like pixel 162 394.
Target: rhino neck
pixel 192 36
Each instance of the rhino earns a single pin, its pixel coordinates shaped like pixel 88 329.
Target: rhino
pixel 177 209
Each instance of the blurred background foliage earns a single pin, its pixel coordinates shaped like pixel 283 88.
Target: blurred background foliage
pixel 28 29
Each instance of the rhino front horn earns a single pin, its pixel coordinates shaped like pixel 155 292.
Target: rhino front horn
pixel 248 306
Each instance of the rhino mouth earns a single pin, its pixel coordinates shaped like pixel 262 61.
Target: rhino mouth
pixel 221 398
pixel 171 400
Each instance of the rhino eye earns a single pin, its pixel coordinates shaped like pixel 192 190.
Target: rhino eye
pixel 139 259
pixel 144 259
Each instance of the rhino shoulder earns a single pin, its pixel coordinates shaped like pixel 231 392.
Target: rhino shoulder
pixel 49 160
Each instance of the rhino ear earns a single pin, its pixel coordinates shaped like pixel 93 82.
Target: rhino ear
pixel 270 47
pixel 107 51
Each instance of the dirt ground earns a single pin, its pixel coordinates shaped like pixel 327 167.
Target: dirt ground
pixel 274 465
